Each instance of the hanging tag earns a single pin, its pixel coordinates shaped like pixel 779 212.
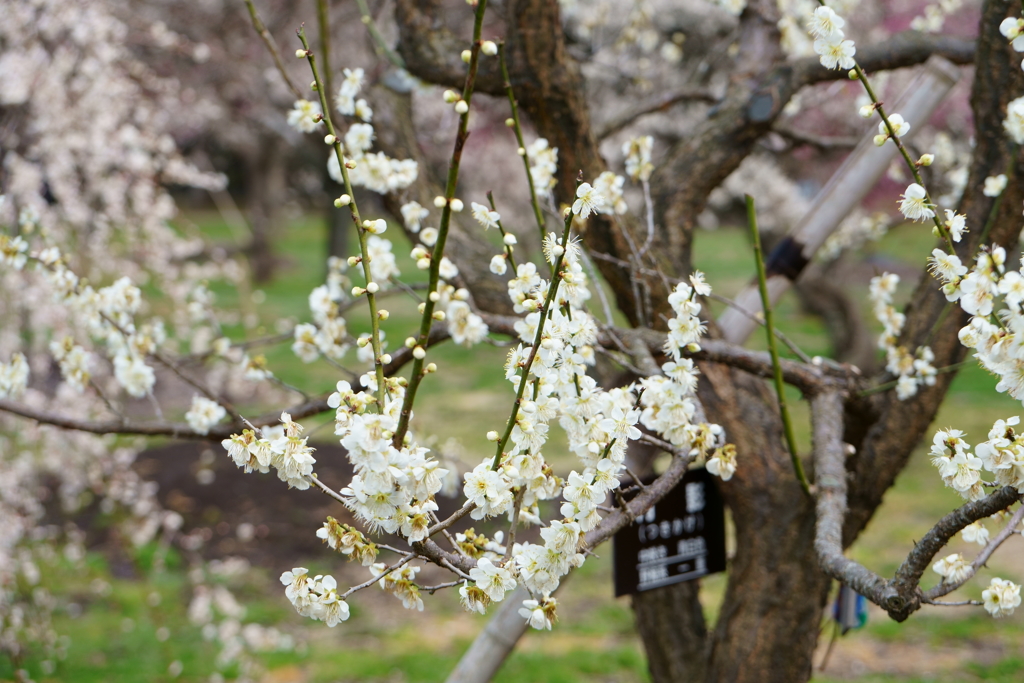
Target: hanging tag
pixel 679 539
pixel 850 609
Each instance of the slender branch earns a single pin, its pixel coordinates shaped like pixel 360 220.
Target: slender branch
pixel 271 44
pixel 518 130
pixel 437 255
pixel 945 588
pixel 380 46
pixel 780 389
pixel 366 584
pixel 361 230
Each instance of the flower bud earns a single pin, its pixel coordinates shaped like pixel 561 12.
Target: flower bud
pixel 466 56
pixel 867 111
pixel 438 315
pixel 440 201
pixel 419 353
pixel 422 307
pixel 926 160
pixel 312 86
pixel 509 239
pixel 880 139
pixel 457 205
pixel 372 287
pixel 510 122
pixel 493 435
pixel 431 367
pixel 461 107
pixel 343 200
pixel 330 139
pixel 301 54
pixel 521 151
pixel 385 359
pixel 435 297
pixel 358 291
pixel 450 96
pixel 383 314
pixel 489 48
pixel 354 261
pixel 853 75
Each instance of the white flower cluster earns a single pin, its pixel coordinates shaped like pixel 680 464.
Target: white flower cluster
pixel 346 101
pixel 543 166
pixel 305 116
pixel 13 376
pixel 393 488
pixel 1001 597
pixel 75 362
pixel 375 171
pixel 834 51
pixel 316 597
pixel 935 16
pixel 638 157
pixel 1002 455
pixel 1014 122
pixel 204 414
pixel 279 447
pixel 1013 29
pixel 996 341
pixel 911 370
pixel 329 333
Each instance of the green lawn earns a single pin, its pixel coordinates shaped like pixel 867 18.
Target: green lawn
pixel 112 635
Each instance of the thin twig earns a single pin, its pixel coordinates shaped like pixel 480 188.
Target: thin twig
pixel 780 389
pixel 268 40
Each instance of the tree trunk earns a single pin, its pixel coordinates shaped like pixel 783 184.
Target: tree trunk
pixel 670 621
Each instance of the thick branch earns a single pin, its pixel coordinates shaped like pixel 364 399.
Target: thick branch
pixel 830 482
pixel 910 572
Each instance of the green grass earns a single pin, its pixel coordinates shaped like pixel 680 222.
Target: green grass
pixel 594 638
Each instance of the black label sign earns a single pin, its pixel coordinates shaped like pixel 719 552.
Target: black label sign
pixel 681 538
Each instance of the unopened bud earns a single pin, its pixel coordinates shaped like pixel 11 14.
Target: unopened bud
pixel 438 315
pixel 450 96
pixel 358 291
pixel 521 151
pixel 343 200
pixel 301 54
pixel 419 353
pixel 461 107
pixel 312 86
pixel 349 164
pixel 383 314
pixel 431 367
pixel 330 139
pixel 434 296
pixel 509 239
pixel 440 201
pixel 926 160
pixel 385 359
pixel 422 307
pixel 489 48
pixel 354 261
pixel 466 56
pixel 372 287
pixel 867 111
pixel 853 75
pixel 880 139
pixel 493 435
pixel 457 205
pixel 510 123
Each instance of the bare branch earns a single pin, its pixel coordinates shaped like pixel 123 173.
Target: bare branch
pixel 660 103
